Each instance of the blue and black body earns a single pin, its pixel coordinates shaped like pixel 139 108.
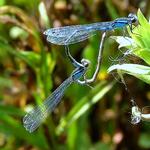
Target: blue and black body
pixel 76 33
pixel 35 117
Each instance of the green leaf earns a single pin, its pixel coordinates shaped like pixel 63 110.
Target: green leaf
pixel 144 140
pixel 102 145
pixel 43 14
pixel 72 135
pixel 13 127
pixel 111 9
pixel 84 105
pixel 11 110
pixel 31 58
pixel 17 32
pixel 5 82
pixel 141 33
pixel 142 20
pixel 139 71
pixel 143 54
pixel 2 2
pixel 139 43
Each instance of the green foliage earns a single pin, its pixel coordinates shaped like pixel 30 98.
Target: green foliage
pixel 138 45
pixel 84 105
pixel 144 140
pixel 141 38
pixel 42 64
pixel 31 69
pixel 139 71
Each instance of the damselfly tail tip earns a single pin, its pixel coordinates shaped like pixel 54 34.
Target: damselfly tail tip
pixel 28 127
pixel 29 124
pixel 25 118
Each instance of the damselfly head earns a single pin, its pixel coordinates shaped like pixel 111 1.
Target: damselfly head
pixel 133 17
pixel 85 62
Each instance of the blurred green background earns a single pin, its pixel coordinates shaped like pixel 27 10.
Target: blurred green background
pixel 31 68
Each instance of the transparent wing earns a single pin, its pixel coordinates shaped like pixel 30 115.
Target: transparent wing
pixel 69 34
pixel 34 118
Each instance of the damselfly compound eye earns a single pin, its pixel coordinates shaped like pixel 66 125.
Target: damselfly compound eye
pixel 133 17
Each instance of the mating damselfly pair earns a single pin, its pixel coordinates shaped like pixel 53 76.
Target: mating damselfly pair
pixel 65 36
